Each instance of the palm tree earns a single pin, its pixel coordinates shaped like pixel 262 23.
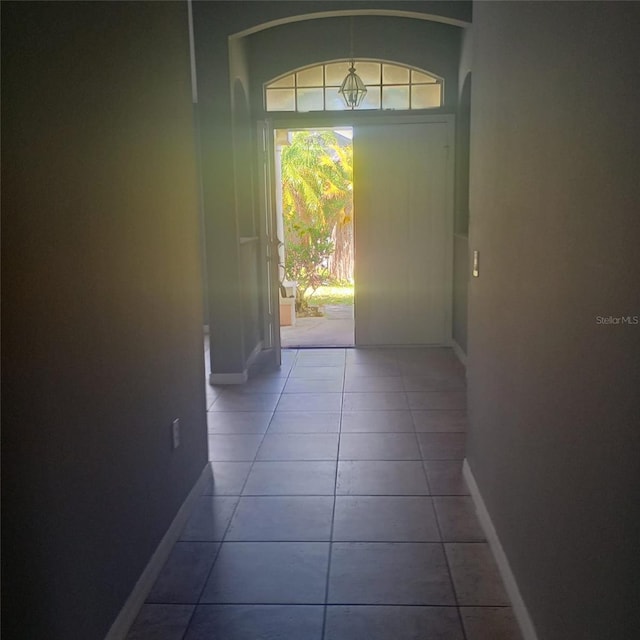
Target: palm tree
pixel 316 189
pixel 341 261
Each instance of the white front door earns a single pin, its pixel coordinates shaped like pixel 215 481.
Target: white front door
pixel 403 217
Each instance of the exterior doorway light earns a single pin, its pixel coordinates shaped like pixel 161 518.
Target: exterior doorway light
pixel 352 89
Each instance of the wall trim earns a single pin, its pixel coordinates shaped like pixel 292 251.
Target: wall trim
pixel 128 613
pixel 520 610
pixel 391 13
pixel 457 349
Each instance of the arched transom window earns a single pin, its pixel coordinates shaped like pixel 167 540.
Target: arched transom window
pixel 389 86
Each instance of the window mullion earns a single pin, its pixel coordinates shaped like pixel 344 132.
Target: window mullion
pixel 394 70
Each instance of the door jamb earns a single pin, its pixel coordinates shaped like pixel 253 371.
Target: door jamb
pixel 270 291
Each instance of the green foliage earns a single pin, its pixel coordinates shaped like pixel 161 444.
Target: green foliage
pixel 316 193
pixel 307 250
pixel 336 294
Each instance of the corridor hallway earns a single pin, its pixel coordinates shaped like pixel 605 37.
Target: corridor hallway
pixel 337 510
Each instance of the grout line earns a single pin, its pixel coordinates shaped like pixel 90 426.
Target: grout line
pixel 319 604
pixel 446 560
pixel 339 604
pixel 339 459
pixel 343 459
pixel 206 580
pixel 326 540
pixel 333 514
pixel 426 478
pixel 328 495
pixel 217 554
pixel 312 433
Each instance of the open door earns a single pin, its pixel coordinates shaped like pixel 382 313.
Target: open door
pixel 314 217
pixel 269 241
pixel 403 233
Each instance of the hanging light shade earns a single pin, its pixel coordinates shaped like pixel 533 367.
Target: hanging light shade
pixel 352 88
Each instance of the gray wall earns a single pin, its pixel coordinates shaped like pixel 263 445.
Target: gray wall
pixel 102 335
pixel 553 395
pixel 429 45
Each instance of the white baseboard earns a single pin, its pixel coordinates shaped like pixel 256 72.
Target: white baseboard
pixel 519 608
pixel 120 627
pixel 457 349
pixel 237 378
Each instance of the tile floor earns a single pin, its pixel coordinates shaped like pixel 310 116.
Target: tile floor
pixel 336 511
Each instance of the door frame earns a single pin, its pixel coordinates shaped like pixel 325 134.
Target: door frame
pixel 271 356
pixel 324 119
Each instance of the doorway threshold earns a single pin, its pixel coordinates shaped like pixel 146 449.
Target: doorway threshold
pixel 318 332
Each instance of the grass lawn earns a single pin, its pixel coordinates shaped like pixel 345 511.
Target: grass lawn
pixel 331 295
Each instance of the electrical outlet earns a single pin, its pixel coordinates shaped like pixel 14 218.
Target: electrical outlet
pixel 175 432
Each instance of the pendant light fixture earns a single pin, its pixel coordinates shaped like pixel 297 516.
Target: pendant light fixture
pixel 352 88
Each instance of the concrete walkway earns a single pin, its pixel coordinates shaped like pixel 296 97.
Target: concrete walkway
pixel 334 329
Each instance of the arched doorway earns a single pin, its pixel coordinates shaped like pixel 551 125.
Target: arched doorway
pixel 258 47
